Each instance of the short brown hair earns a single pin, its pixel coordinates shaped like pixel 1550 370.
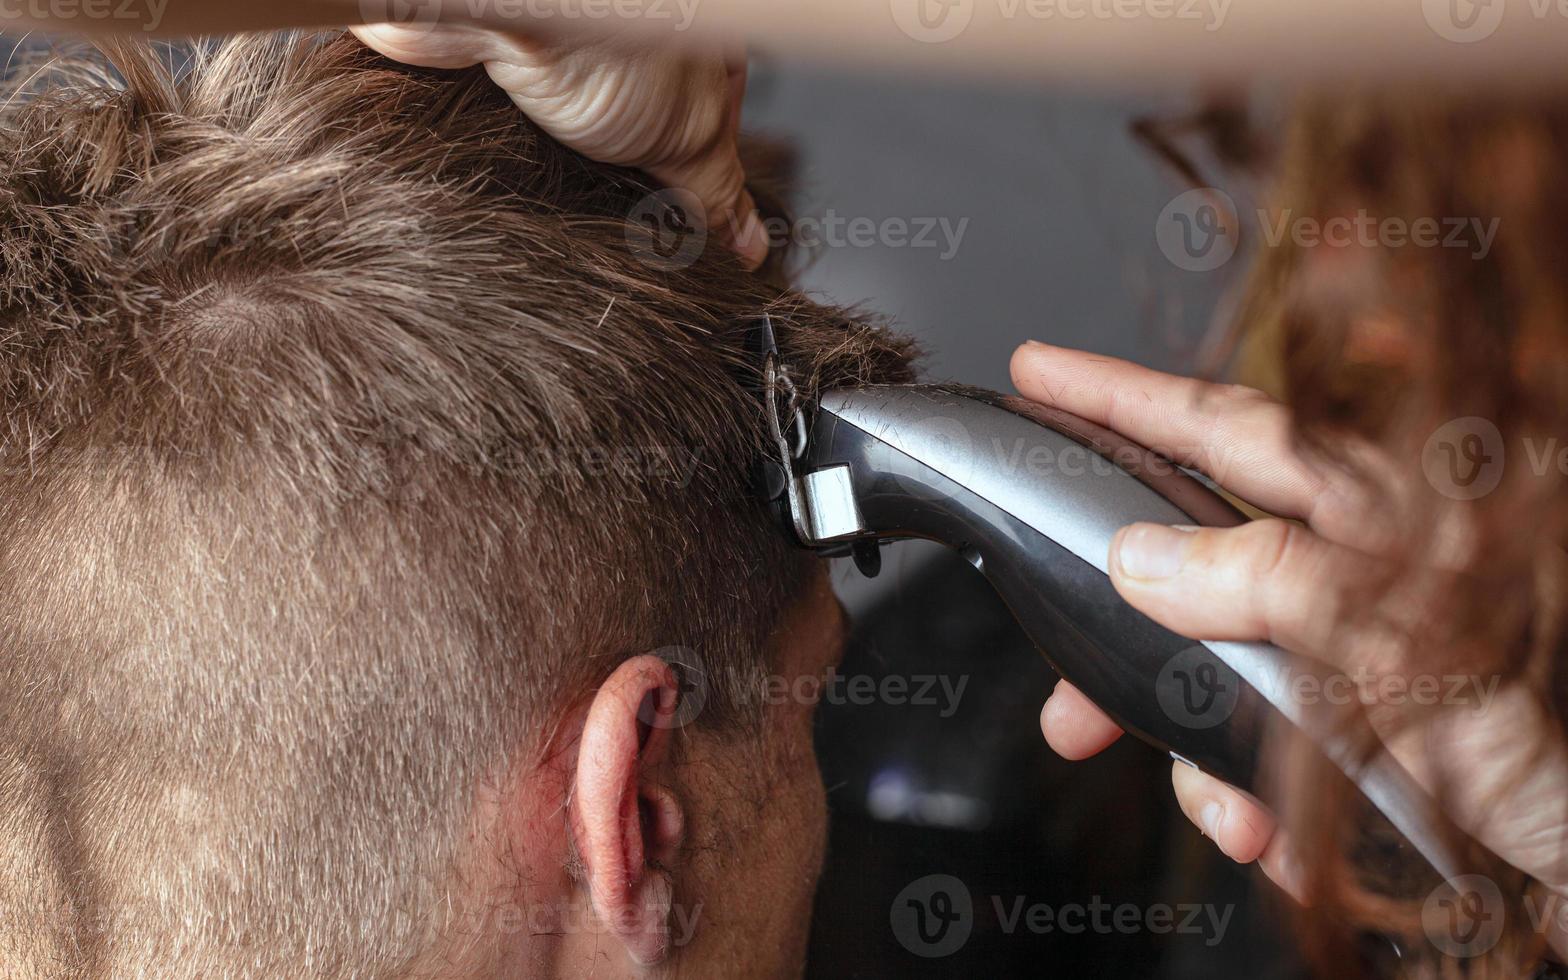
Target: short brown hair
pixel 345 435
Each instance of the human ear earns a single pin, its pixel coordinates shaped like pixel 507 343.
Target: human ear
pixel 629 828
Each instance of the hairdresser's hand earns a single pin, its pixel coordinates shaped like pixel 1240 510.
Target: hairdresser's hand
pixel 669 112
pixel 1278 581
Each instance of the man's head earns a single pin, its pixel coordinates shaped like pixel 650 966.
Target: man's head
pixel 360 475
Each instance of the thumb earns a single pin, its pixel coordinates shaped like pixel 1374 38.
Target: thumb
pixel 1264 580
pixel 428 46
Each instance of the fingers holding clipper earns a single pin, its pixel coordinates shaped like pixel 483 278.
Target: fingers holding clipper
pixel 1243 830
pixel 1074 727
pixel 1237 825
pixel 1238 436
pixel 1267 580
pixel 1282 865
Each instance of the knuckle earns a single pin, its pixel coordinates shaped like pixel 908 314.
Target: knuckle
pixel 1275 552
pixel 1215 402
pixel 1236 396
pixel 1237 419
pixel 1118 414
pixel 1268 547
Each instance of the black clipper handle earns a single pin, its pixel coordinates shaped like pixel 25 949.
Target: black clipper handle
pixel 1032 498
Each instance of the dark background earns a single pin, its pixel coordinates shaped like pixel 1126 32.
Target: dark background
pixel 1061 203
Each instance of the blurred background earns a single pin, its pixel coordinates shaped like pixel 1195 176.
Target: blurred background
pixel 1039 211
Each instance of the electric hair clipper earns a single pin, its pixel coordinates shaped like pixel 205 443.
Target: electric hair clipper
pixel 1032 498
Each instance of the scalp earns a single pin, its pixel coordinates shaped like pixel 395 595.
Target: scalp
pixel 310 365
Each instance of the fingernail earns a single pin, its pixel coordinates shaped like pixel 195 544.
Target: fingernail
pixel 1210 817
pixel 1153 551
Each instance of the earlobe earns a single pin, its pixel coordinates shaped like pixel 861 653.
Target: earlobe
pixel 629 827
